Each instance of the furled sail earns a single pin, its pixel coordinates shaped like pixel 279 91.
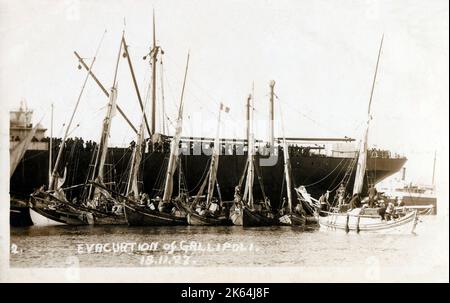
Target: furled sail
pixel 61 181
pixel 362 163
pixel 174 150
pixel 248 193
pixel 16 154
pixel 103 149
pixel 362 157
pixel 174 146
pixel 215 158
pixel 136 160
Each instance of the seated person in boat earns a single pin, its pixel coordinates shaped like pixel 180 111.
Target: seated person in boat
pixel 382 209
pixel 151 205
pixel 166 207
pixel 214 208
pixel 390 212
pixel 200 209
pixel 145 199
pixel 373 195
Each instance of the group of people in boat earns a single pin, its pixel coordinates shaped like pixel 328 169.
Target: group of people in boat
pixel 374 200
pixel 156 204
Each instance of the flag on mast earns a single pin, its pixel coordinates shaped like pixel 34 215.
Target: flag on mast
pixel 224 108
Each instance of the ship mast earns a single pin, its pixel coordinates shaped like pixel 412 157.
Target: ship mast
pixel 287 163
pixel 271 112
pixel 174 147
pixel 154 51
pixel 247 132
pixel 362 158
pixel 250 169
pixel 58 158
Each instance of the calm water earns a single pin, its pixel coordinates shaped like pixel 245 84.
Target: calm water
pixel 226 246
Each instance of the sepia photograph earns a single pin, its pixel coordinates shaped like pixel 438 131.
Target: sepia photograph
pixel 224 141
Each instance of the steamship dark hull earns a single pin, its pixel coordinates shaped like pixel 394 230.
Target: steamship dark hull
pixel 321 171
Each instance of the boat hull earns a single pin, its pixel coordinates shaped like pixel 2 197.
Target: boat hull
pixel 43 216
pixel 251 218
pixel 139 216
pixel 292 220
pixel 368 224
pixel 19 213
pixel 308 169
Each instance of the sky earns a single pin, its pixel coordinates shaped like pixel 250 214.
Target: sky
pixel 322 55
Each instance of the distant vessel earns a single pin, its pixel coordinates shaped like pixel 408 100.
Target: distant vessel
pixel 23 136
pixel 412 195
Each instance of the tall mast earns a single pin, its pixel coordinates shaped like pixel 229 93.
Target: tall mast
pixel 174 147
pixel 271 112
pixel 362 158
pixel 287 163
pixel 58 158
pixel 106 127
pixel 247 132
pixel 50 148
pixel 162 98
pixel 154 55
pixel 214 162
pixel 250 172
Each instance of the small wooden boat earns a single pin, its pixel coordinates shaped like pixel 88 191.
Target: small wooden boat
pixel 19 213
pixel 354 222
pixel 137 215
pixel 47 210
pixel 290 218
pixel 141 215
pixel 245 211
pixel 366 219
pixel 209 209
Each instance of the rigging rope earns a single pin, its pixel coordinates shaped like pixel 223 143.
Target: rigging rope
pixel 326 175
